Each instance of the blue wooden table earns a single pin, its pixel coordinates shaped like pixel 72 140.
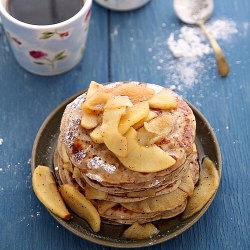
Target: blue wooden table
pixel 133 46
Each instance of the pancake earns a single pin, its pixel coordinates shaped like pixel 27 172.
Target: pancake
pixel 120 215
pixel 132 195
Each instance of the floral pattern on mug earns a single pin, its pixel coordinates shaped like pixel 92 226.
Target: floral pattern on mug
pixel 49 34
pixel 87 17
pixel 13 39
pixel 44 60
pixel 86 27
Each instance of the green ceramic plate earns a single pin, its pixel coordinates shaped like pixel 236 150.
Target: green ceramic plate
pixel 110 235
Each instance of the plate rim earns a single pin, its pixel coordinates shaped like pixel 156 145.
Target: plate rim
pixel 134 244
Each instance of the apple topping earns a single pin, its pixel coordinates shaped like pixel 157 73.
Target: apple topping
pixel 125 120
pixel 135 92
pixel 144 159
pixel 140 231
pixel 46 190
pixel 114 140
pixel 133 115
pixel 163 100
pixel 80 205
pixel 207 186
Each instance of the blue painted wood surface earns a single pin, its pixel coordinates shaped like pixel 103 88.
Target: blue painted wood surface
pixel 130 46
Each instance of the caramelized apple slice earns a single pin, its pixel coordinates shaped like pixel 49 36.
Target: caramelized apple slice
pixel 163 100
pixel 116 102
pixel 76 173
pixel 113 139
pixel 63 152
pixel 103 205
pixel 133 115
pixel 68 167
pixel 135 92
pixel 161 125
pixel 92 193
pixel 159 203
pixel 81 206
pixel 151 115
pixel 207 186
pixel 94 87
pixel 46 190
pixel 97 135
pixel 140 231
pixel 144 159
pixel 96 102
pixel 144 137
pixel 89 120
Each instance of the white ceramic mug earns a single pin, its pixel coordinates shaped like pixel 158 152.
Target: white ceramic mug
pixel 48 49
pixel 122 5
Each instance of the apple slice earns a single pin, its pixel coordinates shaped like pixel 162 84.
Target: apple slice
pixel 63 152
pixel 46 190
pixel 76 173
pixel 158 203
pixel 97 135
pixel 116 102
pixel 92 193
pixel 163 100
pixel 207 186
pixel 140 231
pixel 135 92
pixel 151 115
pixel 133 115
pixel 81 206
pixel 95 103
pixel 187 184
pixel 103 206
pixel 113 139
pixel 94 87
pixel 161 125
pixel 89 120
pixel 144 137
pixel 144 159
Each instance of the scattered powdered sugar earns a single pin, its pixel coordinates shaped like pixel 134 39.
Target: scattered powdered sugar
pixel 222 29
pixel 188 62
pixel 78 101
pixel 189 43
pixel 1 141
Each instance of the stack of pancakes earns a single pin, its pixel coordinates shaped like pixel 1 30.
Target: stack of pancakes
pixel 120 194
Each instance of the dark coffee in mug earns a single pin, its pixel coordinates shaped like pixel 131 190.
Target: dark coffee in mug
pixel 43 12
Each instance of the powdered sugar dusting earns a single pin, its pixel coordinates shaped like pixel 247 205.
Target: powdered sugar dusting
pixel 222 29
pixel 183 56
pixel 95 177
pixel 189 43
pixel 97 162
